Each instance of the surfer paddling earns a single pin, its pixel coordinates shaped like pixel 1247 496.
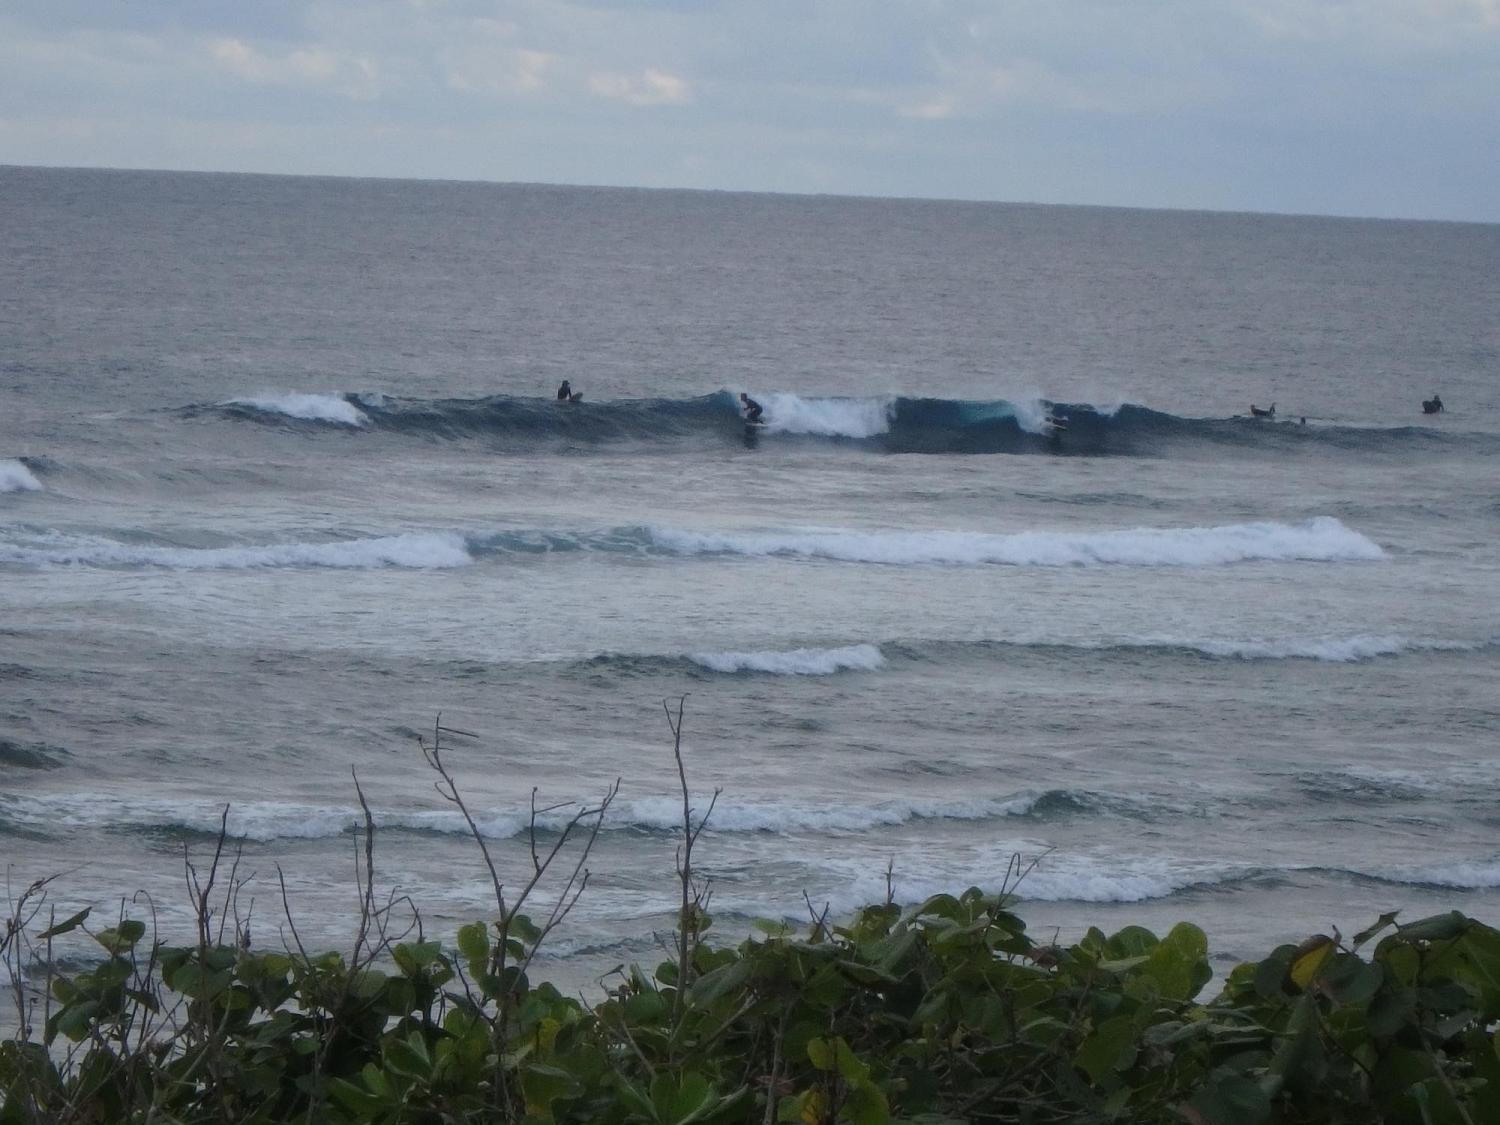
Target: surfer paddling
pixel 1257 412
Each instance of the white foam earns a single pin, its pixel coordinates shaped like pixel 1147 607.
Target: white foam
pixel 1333 649
pixel 251 820
pixel 308 407
pixel 1469 875
pixel 16 477
pixel 795 816
pixel 828 417
pixel 1031 415
pixel 794 662
pixel 1077 878
pixel 1323 539
pixel 1085 882
pixel 270 820
pixel 420 550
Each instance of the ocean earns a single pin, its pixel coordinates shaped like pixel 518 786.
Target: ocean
pixel 284 485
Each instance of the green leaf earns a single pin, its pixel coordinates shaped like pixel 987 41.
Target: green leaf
pixel 1350 981
pixel 1390 1011
pixel 851 1069
pixel 1178 965
pixel 522 928
pixel 65 925
pixel 645 1008
pixel 679 1099
pixel 1436 928
pixel 74 1020
pixel 1271 974
pixel 1231 1099
pixel 1381 923
pixel 412 957
pixel 821 1054
pixel 634 1097
pixel 709 987
pixel 1473 959
pixel 357 1099
pixel 119 938
pixel 866 1105
pixel 1310 957
pixel 409 1057
pixel 474 942
pixel 1298 1057
pixel 1132 941
pixel 1109 1049
pixel 893 950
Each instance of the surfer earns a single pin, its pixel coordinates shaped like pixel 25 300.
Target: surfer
pixel 566 393
pixel 1433 405
pixel 751 408
pixel 1257 412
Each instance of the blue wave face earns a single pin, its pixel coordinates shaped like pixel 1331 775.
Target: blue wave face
pixel 896 424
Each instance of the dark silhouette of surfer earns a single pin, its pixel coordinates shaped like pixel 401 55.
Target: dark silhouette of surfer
pixel 753 410
pixel 1257 412
pixel 566 393
pixel 1433 405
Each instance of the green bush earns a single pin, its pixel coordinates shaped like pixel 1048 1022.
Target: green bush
pixel 943 1012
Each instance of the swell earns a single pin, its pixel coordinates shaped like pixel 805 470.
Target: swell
pixel 190 817
pixel 891 424
pixel 1082 878
pixel 1322 539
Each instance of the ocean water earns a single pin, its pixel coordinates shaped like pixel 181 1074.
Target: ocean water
pixel 283 484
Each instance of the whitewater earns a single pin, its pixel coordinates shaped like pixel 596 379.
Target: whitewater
pixel 1008 577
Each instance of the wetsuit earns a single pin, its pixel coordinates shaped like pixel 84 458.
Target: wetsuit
pixel 753 409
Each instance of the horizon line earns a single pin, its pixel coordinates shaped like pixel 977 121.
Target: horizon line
pixel 829 195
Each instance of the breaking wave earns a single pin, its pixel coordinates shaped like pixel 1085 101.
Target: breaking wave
pixel 1323 539
pixel 415 549
pixel 270 820
pixel 333 409
pixel 890 424
pixel 16 477
pixel 796 662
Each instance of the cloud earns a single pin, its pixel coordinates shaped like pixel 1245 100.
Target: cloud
pixel 1390 26
pixel 489 70
pixel 1060 100
pixel 648 88
pixel 351 75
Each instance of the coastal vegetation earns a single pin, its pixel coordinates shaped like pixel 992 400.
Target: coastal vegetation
pixel 943 1011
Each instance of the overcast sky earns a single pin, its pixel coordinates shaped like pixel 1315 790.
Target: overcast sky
pixel 1379 107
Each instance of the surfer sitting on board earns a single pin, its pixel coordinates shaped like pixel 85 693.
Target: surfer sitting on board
pixel 1432 405
pixel 752 409
pixel 566 393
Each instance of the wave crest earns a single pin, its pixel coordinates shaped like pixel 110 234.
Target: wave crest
pixel 420 550
pixel 1323 539
pixel 16 477
pixel 330 408
pixel 794 662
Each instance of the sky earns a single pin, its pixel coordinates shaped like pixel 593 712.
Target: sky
pixel 1386 108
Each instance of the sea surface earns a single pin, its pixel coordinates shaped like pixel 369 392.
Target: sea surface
pixel 284 487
